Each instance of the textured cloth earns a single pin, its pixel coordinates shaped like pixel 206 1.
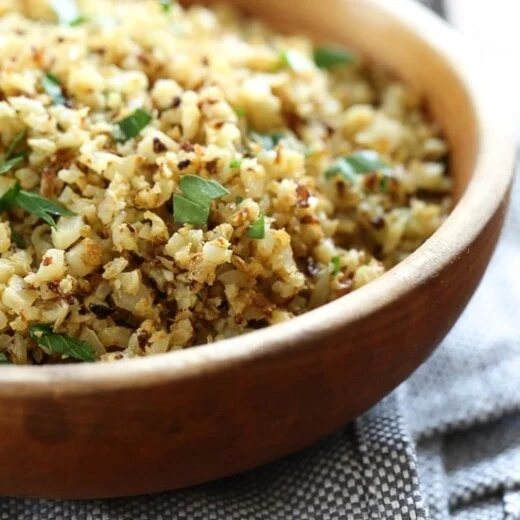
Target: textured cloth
pixel 445 445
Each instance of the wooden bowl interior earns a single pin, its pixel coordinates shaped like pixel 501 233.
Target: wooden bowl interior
pixel 392 46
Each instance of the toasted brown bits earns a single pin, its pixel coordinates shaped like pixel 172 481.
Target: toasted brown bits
pixel 176 102
pixel 47 260
pixel 143 58
pixel 309 219
pixel 329 128
pixel 302 191
pixel 182 165
pixel 378 222
pixel 341 188
pixel 142 338
pixel 101 311
pixel 345 286
pixel 371 181
pixel 48 178
pixel 158 145
pixel 187 146
pixel 212 166
pixel 54 287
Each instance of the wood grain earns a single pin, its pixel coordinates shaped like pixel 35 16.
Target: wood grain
pixel 183 418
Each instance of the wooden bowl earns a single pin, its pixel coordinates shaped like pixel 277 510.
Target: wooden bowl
pixel 137 426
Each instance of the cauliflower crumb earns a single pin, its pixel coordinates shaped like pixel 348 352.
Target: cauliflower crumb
pixel 306 182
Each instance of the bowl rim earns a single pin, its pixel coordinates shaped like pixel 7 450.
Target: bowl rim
pixel 485 193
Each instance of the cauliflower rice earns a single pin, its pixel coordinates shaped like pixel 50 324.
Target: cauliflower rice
pixel 111 270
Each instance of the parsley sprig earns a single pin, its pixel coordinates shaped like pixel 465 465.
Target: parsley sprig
pixel 32 203
pixel 79 20
pixel 131 125
pixel 267 141
pixel 61 343
pixel 166 5
pixel 335 265
pixel 257 229
pixel 12 158
pixel 52 86
pixel 331 57
pixel 19 240
pixel 361 161
pixel 193 206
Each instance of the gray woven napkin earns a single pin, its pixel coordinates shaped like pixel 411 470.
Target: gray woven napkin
pixel 445 445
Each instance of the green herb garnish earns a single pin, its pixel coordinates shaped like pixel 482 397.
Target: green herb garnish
pixel 365 161
pixel 8 198
pixel 60 343
pixel 362 161
pixel 257 229
pixel 235 163
pixel 186 211
pixel 238 199
pixel 32 203
pixel 335 265
pixel 383 184
pixel 193 206
pixel 341 167
pixel 9 164
pixel 132 125
pixel 19 137
pixel 12 158
pixel 330 57
pixel 4 360
pixel 201 190
pixel 239 111
pixel 51 85
pixel 267 141
pixel 18 240
pixel 40 206
pixel 166 5
pixel 79 20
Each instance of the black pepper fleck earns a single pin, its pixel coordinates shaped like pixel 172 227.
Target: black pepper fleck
pixel 101 311
pixel 183 164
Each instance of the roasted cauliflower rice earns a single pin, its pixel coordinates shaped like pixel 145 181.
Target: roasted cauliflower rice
pixel 175 176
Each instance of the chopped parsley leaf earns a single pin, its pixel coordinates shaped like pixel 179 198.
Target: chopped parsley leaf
pixel 335 265
pixel 193 206
pixel 257 229
pixel 51 85
pixel 330 57
pixel 132 125
pixel 60 343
